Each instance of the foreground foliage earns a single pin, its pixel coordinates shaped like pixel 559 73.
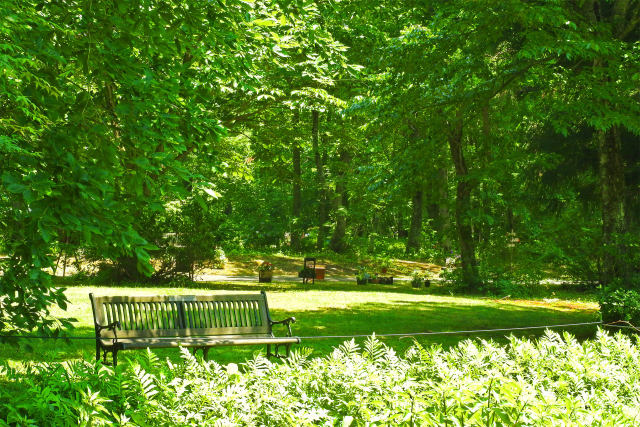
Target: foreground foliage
pixel 556 380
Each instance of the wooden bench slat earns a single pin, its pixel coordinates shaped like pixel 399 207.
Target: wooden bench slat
pixel 181 332
pixel 133 316
pixel 175 298
pixel 127 343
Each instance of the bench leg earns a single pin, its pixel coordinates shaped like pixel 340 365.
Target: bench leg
pixel 97 351
pixel 287 348
pixel 276 353
pixel 205 352
pixel 114 356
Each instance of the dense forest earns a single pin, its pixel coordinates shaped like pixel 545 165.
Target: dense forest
pixel 502 134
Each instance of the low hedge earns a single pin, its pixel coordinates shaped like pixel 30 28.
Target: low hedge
pixel 555 380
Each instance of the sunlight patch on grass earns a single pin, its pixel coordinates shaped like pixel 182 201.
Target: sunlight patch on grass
pixel 551 303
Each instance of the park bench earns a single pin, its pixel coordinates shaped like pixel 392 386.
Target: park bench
pixel 195 321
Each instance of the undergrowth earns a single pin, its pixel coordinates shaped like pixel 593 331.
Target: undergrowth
pixel 555 380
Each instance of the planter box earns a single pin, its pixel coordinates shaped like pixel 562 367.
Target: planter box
pixel 385 280
pixel 426 283
pixel 265 276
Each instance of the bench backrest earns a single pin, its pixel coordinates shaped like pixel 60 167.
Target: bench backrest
pixel 182 315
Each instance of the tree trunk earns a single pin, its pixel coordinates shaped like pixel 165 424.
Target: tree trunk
pixel 110 101
pixel 612 186
pixel 463 207
pixel 415 230
pixel 296 207
pixel 612 192
pixel 320 182
pixel 482 229
pixel 431 209
pixel 337 238
pixel 443 211
pixel 402 232
pixel 341 201
pixel 510 220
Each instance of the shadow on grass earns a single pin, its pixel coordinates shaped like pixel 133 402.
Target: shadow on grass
pixel 395 316
pixel 399 288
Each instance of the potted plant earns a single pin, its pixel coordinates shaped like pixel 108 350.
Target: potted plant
pixel 416 279
pixel 385 264
pixel 362 278
pixel 265 272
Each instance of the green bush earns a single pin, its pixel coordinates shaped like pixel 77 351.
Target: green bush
pixel 219 258
pixel 620 304
pixel 553 381
pixel 505 287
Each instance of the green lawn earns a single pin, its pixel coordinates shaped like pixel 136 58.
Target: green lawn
pixel 335 309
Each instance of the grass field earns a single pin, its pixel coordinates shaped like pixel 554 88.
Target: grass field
pixel 335 309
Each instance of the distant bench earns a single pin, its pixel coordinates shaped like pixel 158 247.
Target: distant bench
pixel 195 321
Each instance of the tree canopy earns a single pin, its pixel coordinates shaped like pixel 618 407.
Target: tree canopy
pixel 505 133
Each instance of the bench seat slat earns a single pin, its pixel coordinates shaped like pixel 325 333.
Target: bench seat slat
pixel 127 343
pixel 182 332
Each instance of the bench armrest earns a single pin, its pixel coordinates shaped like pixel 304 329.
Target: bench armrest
pixel 111 326
pixel 287 322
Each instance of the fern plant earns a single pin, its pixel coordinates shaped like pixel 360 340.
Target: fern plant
pixel 555 380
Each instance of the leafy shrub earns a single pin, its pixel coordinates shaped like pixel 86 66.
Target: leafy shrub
pixel 553 381
pixel 620 304
pixel 383 263
pixel 363 274
pixel 218 259
pixel 375 244
pixel 506 287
